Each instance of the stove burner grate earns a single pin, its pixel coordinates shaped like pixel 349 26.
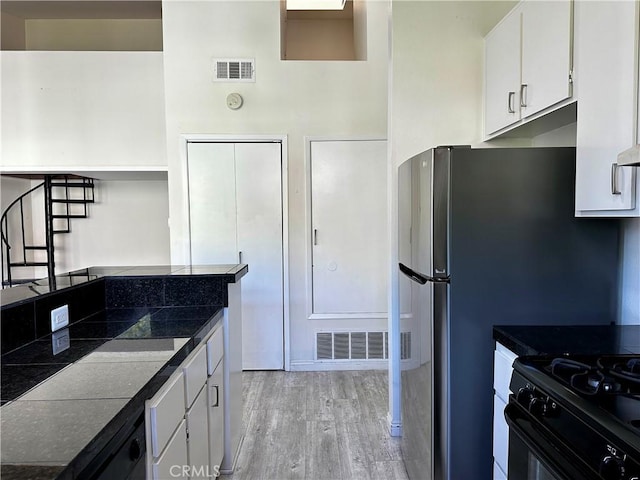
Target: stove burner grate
pixel 605 377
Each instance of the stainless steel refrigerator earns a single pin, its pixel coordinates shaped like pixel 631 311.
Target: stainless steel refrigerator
pixel 486 237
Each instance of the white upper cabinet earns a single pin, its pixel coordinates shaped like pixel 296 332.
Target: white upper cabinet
pixel 606 70
pixel 528 62
pixel 546 55
pixel 502 73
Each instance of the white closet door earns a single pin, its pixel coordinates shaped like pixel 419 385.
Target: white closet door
pixel 349 205
pixel 259 207
pixel 235 198
pixel 212 203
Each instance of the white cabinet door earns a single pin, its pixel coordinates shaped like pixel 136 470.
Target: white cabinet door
pixel 163 413
pixel 546 54
pixel 349 222
pixel 606 59
pixel 198 437
pixel 259 202
pixel 194 370
pixel 235 202
pixel 216 417
pixel 174 461
pixel 502 73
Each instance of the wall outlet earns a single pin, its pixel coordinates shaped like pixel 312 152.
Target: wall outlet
pixel 59 317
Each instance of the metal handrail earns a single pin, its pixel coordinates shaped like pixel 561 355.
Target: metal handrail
pixel 49 184
pixel 5 250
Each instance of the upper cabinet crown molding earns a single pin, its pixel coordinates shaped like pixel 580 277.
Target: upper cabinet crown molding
pixel 528 64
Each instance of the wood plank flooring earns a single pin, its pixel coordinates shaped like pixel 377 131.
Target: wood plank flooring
pixel 317 426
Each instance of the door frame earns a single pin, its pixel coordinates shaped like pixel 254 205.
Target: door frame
pixel 309 227
pixel 184 225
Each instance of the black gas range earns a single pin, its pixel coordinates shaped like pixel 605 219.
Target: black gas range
pixel 575 418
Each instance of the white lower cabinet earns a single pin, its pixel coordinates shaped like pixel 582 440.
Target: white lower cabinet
pixel 173 460
pixel 198 437
pixel 502 370
pixel 215 403
pixel 185 418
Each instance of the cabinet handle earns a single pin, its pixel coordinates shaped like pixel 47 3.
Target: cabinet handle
pixel 315 236
pixel 523 95
pixel 240 257
pixel 614 179
pixel 510 107
pixel 217 402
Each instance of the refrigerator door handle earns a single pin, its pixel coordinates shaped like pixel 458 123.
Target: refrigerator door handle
pixel 421 278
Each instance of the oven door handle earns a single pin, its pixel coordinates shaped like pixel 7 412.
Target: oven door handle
pixel 564 464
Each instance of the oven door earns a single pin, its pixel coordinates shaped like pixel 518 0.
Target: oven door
pixel 536 454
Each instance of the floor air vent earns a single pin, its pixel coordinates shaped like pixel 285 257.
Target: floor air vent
pixel 359 345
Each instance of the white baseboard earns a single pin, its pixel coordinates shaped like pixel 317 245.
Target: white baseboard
pixel 395 428
pixel 319 366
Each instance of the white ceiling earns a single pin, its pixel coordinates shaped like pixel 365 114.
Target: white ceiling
pixel 82 9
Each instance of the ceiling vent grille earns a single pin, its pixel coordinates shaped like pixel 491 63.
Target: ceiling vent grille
pixel 359 345
pixel 234 70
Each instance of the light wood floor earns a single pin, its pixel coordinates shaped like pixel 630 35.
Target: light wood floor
pixel 317 426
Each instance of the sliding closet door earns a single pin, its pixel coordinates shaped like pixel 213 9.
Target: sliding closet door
pixel 259 207
pixel 212 203
pixel 235 203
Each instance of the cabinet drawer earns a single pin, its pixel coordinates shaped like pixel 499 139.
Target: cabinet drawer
pixel 215 349
pixel 195 374
pixel 165 410
pixel 173 458
pixel 502 368
pixel 500 434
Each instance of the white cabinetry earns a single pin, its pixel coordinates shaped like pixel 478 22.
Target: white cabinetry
pixel 502 73
pixel 606 77
pixel 182 424
pixel 502 369
pixel 197 442
pixel 528 62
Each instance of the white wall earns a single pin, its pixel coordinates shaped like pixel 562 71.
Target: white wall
pixel 127 225
pixel 294 98
pixel 438 72
pixel 69 111
pixel 96 109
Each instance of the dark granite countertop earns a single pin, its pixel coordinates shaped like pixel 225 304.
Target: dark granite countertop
pixel 555 340
pixel 68 397
pixel 28 291
pixel 63 409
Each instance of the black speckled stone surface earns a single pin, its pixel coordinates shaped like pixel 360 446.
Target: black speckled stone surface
pixel 556 340
pixel 155 315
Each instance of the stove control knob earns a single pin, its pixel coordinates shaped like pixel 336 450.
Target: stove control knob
pixel 612 468
pixel 524 396
pixel 538 407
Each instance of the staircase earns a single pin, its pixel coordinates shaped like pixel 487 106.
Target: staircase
pixel 65 197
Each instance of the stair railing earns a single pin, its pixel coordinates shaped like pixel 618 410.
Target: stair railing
pixel 52 215
pixel 5 251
